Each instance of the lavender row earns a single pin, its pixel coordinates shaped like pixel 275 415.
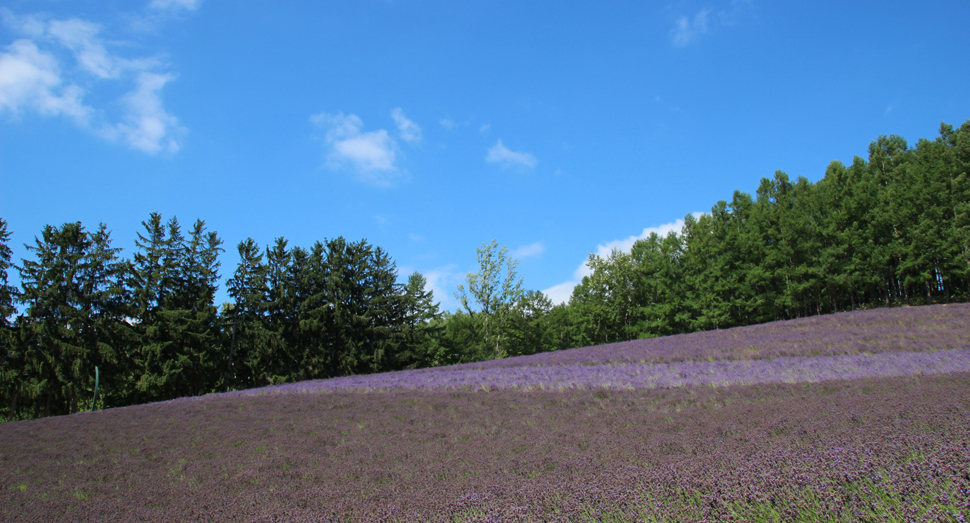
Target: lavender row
pixel 863 450
pixel 642 375
pixel 901 329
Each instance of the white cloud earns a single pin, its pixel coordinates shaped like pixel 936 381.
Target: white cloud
pixel 562 292
pixel 506 158
pixel 372 151
pixel 80 37
pixel 31 79
pixel 146 126
pixel 687 30
pixel 32 76
pixel 484 128
pixel 410 132
pixel 526 251
pixel 603 250
pixel 174 5
pixel 372 155
pixel 443 281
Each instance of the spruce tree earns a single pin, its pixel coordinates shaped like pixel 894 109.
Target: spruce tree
pixel 75 316
pixel 422 326
pixel 11 362
pixel 251 355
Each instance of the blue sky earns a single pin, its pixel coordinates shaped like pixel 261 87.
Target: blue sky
pixel 428 128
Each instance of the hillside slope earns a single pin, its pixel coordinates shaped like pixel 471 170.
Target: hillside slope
pixel 864 448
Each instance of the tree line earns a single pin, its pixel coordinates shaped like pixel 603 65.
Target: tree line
pixel 150 326
pixel 893 229
pixel 888 230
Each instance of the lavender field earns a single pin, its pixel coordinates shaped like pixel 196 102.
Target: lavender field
pixel 861 416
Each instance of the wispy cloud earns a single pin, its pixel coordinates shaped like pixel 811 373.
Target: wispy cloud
pixel 446 123
pixel 371 155
pixel 562 292
pixel 526 251
pixel 484 128
pixel 81 38
pixel 174 5
pixel 689 29
pixel 34 76
pixel 146 126
pixel 504 157
pixel 410 132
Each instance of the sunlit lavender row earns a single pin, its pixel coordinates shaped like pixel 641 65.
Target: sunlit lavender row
pixel 645 375
pixel 901 329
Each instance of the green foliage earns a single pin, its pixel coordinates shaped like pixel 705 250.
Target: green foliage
pixel 529 328
pixel 423 327
pixel 492 293
pixel 889 229
pixel 333 310
pixel 11 367
pixel 173 282
pixel 75 317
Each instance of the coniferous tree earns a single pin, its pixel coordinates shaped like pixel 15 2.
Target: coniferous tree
pixel 365 310
pixel 659 285
pixel 281 316
pixel 310 349
pixel 251 355
pixel 75 314
pixel 422 327
pixel 200 361
pixel 154 281
pixel 174 280
pixel 11 359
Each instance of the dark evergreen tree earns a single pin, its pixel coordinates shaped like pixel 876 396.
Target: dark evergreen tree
pixel 366 307
pixel 11 360
pixel 421 346
pixel 250 354
pixel 174 281
pixel 75 315
pixel 282 317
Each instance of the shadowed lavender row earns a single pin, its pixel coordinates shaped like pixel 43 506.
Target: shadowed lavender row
pixel 645 376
